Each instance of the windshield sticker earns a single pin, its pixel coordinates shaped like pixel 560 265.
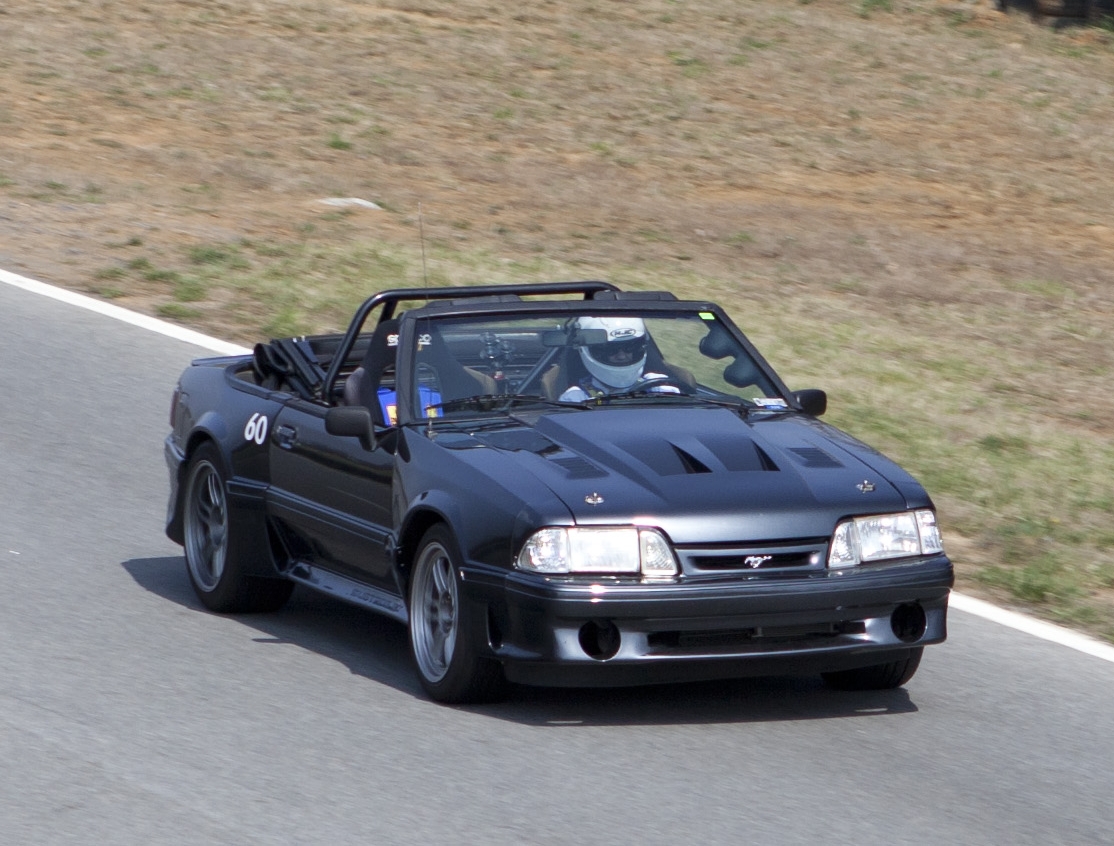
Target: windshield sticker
pixel 707 315
pixel 770 402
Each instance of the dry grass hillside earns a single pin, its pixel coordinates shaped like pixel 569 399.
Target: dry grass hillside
pixel 906 202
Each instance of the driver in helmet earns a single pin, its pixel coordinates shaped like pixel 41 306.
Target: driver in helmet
pixel 615 364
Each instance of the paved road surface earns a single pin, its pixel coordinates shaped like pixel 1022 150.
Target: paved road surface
pixel 128 715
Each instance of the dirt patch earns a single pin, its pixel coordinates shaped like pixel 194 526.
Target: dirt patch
pixel 930 148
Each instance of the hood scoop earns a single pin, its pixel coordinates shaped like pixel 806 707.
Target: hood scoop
pixel 694 455
pixel 690 463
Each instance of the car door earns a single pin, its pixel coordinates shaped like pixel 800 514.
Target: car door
pixel 331 496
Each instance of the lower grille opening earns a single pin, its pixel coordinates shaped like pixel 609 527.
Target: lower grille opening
pixel 762 637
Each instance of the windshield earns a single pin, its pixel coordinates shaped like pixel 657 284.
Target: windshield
pixel 487 365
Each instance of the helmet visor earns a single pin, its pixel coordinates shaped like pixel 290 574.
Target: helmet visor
pixel 619 352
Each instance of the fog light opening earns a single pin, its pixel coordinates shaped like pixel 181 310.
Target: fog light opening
pixel 600 639
pixel 909 622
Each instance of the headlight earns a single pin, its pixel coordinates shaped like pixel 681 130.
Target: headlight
pixel 626 550
pixel 883 536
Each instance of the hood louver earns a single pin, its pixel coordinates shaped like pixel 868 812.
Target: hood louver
pixel 814 457
pixel 578 468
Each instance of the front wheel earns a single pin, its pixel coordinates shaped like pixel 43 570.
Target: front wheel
pixel 444 630
pixel 877 677
pixel 215 567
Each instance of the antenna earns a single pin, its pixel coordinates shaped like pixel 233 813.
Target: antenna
pixel 421 237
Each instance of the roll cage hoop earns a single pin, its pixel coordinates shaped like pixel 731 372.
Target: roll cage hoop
pixel 391 299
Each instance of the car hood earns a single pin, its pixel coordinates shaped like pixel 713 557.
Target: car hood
pixel 702 474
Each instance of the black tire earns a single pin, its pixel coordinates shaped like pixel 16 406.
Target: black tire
pixel 213 562
pixel 878 677
pixel 444 631
pixel 1063 8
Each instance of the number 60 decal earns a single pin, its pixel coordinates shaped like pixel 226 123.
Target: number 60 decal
pixel 256 430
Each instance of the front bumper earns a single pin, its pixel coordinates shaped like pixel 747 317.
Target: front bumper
pixel 175 459
pixel 571 632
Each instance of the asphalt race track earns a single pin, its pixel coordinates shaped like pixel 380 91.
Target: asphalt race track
pixel 128 715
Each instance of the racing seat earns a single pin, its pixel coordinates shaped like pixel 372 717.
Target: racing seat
pixel 363 384
pixel 372 383
pixel 447 376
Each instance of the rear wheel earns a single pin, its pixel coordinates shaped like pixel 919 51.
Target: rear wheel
pixel 215 568
pixel 1063 8
pixel 444 630
pixel 877 677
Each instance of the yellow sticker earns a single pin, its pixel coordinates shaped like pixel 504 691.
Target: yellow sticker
pixel 707 315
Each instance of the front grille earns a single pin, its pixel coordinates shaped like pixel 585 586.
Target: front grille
pixel 800 556
pixel 751 562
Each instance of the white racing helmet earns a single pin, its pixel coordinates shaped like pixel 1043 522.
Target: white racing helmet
pixel 618 361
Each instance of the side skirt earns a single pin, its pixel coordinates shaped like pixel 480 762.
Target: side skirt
pixel 373 598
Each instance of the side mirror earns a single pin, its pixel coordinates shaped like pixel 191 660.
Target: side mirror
pixel 812 401
pixel 351 421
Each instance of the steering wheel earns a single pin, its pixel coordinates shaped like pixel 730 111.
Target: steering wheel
pixel 657 382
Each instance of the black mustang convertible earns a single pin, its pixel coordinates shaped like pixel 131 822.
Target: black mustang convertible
pixel 558 484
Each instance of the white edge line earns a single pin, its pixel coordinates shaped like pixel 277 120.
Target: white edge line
pixel 967 604
pixel 1031 625
pixel 152 324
